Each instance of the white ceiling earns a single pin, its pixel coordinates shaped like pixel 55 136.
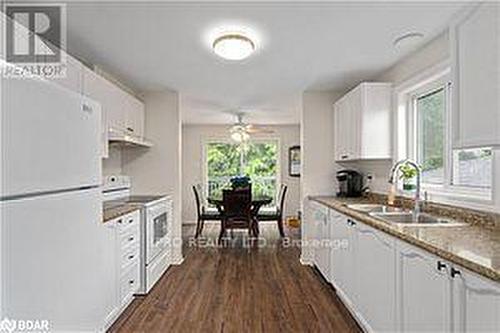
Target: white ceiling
pixel 321 46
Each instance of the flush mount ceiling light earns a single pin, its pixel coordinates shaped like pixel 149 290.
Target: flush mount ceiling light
pixel 233 46
pixel 408 39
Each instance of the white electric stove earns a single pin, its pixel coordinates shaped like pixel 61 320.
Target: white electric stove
pixel 156 221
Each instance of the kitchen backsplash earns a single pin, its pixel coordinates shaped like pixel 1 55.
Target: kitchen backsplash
pixel 378 169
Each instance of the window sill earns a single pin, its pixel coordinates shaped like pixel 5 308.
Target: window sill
pixel 466 198
pixel 481 195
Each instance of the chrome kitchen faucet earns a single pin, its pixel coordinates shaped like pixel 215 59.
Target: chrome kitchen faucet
pixel 418 199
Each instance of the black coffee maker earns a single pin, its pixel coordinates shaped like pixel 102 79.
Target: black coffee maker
pixel 350 183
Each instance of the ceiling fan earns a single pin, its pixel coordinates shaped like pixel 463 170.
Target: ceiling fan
pixel 240 131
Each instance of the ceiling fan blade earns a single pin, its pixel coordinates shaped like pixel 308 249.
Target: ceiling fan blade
pixel 259 130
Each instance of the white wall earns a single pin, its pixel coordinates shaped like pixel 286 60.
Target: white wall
pixel 436 51
pixel 193 137
pixel 157 170
pixel 318 164
pixel 113 164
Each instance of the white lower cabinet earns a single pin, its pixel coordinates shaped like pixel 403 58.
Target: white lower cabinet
pixel 390 285
pixel 344 268
pixel 376 279
pixel 476 303
pixel 363 272
pixel 321 238
pixel 435 295
pixel 128 252
pixel 423 292
pixel 126 263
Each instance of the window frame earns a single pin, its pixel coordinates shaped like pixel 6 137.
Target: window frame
pixel 406 133
pixel 223 139
pixel 441 82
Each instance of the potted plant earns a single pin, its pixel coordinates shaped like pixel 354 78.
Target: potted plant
pixel 407 173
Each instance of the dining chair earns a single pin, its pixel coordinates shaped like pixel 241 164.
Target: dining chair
pixel 236 211
pixel 204 212
pixel 275 213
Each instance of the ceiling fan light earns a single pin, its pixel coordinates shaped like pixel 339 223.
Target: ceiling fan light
pixel 240 136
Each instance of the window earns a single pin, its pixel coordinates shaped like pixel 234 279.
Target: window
pixel 424 114
pixel 257 159
pixel 473 168
pixel 430 113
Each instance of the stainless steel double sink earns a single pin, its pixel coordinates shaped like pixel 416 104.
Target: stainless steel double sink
pixel 395 215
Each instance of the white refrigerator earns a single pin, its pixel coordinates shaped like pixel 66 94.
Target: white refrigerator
pixel 55 250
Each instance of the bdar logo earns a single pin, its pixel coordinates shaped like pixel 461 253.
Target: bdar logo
pixel 7 325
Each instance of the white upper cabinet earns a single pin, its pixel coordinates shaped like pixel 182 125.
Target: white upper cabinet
pixel 363 123
pixel 71 74
pixel 121 111
pixel 475 49
pixel 127 113
pixel 98 88
pixel 134 116
pixel 72 80
pixel 117 112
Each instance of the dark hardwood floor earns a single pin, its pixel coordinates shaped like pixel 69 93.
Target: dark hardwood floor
pixel 238 288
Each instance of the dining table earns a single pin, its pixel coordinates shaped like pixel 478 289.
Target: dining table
pixel 258 200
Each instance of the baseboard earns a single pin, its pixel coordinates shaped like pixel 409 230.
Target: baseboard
pixel 189 223
pixel 306 261
pixel 177 258
pixel 110 319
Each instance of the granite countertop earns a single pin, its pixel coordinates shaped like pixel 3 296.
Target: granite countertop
pixel 475 247
pixel 112 211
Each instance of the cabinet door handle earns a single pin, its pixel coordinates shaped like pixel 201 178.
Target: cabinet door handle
pixel 130 129
pixel 86 108
pixel 454 272
pixel 131 257
pixel 119 221
pixel 344 157
pixel 441 265
pixel 351 222
pixel 131 238
pixel 131 282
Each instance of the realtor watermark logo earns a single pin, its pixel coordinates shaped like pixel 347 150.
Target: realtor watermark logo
pixel 34 37
pixel 29 326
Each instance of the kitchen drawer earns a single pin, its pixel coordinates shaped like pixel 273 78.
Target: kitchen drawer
pixel 129 257
pixel 129 284
pixel 128 221
pixel 129 238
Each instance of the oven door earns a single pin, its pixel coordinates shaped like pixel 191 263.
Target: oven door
pixel 157 230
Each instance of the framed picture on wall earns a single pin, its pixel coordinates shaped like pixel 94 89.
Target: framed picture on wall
pixel 294 161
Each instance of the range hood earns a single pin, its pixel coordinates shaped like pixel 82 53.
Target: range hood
pixel 124 138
